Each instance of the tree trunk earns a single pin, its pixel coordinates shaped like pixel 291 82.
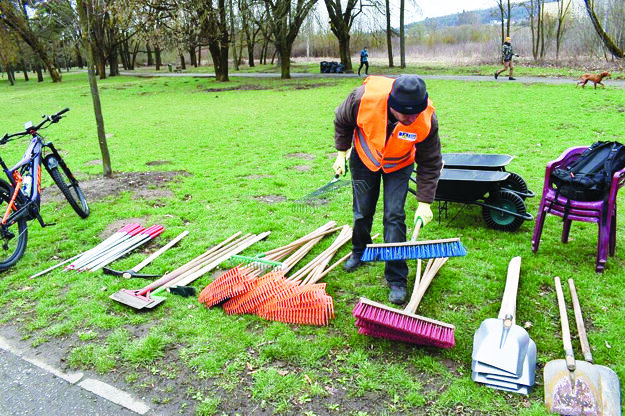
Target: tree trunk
pixel 344 51
pixel 79 61
pixel 389 35
pixel 192 56
pixel 509 18
pixel 285 61
pixel 95 95
pixel 608 42
pixel 39 72
pixel 157 56
pixel 183 64
pixel 148 51
pixel 233 39
pixel 402 35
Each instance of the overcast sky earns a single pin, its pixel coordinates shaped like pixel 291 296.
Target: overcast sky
pixel 433 8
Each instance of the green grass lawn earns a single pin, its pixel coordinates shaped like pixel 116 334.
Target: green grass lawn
pixel 234 146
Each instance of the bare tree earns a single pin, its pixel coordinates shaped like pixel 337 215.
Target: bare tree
pixel 607 40
pixel 85 20
pixel 562 18
pixel 12 15
pixel 389 34
pixel 284 18
pixel 341 24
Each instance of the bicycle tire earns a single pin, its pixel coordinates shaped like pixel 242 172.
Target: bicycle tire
pixel 9 256
pixel 71 192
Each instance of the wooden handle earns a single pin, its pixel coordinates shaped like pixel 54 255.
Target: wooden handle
pixel 566 332
pixel 417 229
pixel 507 311
pixel 431 269
pixel 581 329
pixel 160 251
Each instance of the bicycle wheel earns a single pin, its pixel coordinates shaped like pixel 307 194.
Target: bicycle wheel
pixel 71 190
pixel 13 237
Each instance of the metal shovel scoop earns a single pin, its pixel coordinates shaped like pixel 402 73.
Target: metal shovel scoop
pixel 610 385
pixel 571 387
pixel 499 343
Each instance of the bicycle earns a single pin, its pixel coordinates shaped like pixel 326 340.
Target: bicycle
pixel 20 196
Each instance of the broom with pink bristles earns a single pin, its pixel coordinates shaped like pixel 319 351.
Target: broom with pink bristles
pixel 378 320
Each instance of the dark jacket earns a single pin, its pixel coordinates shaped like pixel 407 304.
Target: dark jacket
pixel 428 158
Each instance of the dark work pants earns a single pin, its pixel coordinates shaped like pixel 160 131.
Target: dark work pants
pixel 366 64
pixel 366 189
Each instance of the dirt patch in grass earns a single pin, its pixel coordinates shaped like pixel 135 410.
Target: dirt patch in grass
pixel 299 155
pixel 270 199
pixel 301 168
pixel 258 176
pixel 158 163
pixel 96 162
pixel 145 185
pixel 246 87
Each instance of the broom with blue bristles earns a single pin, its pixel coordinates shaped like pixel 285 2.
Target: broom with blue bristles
pixel 424 249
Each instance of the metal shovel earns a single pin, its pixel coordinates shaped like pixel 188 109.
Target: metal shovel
pixel 571 387
pixel 610 385
pixel 499 343
pixel 490 376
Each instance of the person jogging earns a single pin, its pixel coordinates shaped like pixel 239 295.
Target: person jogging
pixel 364 61
pixel 390 123
pixel 506 55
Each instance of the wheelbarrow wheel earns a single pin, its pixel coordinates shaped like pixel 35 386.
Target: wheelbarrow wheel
pixel 506 200
pixel 516 183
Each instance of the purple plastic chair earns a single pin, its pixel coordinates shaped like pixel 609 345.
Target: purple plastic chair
pixel 592 211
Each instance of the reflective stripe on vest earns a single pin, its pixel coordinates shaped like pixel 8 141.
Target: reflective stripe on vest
pixel 370 141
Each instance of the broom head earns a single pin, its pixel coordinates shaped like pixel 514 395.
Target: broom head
pixel 432 332
pixel 451 247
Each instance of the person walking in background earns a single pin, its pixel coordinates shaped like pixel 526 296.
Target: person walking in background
pixel 391 124
pixel 364 60
pixel 506 54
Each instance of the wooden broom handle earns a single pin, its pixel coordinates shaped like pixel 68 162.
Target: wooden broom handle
pixel 160 251
pixel 507 311
pixel 581 329
pixel 431 269
pixel 566 332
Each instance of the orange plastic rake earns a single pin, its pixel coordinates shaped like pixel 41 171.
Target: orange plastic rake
pixel 265 288
pixel 229 284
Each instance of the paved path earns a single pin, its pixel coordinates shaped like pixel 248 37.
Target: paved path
pixel 30 386
pixel 619 83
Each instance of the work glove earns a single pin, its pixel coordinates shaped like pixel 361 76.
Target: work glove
pixel 424 213
pixel 339 164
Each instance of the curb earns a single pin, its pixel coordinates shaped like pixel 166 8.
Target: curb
pixel 97 387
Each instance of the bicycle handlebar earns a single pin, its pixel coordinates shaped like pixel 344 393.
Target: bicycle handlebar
pixel 54 118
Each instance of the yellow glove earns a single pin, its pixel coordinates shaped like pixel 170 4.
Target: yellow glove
pixel 339 163
pixel 424 213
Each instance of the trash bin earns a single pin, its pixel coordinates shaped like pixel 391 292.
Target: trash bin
pixel 170 67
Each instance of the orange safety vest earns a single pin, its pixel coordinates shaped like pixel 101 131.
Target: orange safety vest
pixel 370 134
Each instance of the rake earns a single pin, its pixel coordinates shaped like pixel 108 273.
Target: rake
pixel 306 303
pixel 233 283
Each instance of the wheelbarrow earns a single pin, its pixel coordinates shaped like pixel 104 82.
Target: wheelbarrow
pixel 476 179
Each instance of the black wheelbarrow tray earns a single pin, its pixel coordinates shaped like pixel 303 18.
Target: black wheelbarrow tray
pixel 490 162
pixel 503 209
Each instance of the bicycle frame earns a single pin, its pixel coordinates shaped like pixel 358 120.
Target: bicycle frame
pixel 31 161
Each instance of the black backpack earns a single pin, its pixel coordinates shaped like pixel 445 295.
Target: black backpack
pixel 590 176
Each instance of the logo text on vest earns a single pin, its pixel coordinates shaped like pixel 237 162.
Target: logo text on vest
pixel 403 135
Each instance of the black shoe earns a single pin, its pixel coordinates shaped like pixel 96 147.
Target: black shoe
pixel 397 295
pixel 352 263
pixel 496 75
pixel 512 78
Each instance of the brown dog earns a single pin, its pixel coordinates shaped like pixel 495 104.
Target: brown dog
pixel 596 78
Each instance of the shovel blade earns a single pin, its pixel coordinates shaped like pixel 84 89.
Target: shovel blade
pixel 491 375
pixel 505 385
pixel 133 299
pixel 610 391
pixel 500 347
pixel 572 393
